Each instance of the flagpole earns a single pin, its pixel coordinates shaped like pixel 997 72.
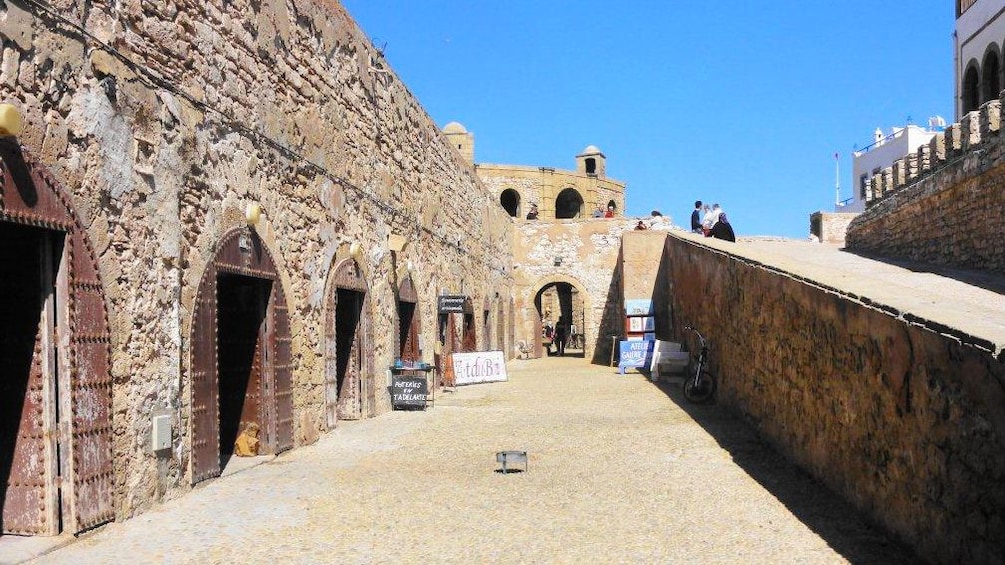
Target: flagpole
pixel 837 181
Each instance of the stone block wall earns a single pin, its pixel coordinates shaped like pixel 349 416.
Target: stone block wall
pixel 945 203
pixel 542 185
pixel 164 120
pixel 590 252
pixel 831 227
pixel 900 419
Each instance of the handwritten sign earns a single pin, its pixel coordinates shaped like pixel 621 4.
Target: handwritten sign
pixel 634 353
pixel 408 391
pixel 479 367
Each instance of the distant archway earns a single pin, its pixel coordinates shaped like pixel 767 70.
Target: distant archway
pixel 971 88
pixel 569 204
pixel 562 297
pixel 510 201
pixel 991 82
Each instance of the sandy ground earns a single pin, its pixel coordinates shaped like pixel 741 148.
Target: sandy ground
pixel 620 471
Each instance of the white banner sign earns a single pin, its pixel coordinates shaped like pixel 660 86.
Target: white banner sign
pixel 479 367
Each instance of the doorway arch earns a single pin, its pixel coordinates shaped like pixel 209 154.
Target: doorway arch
pixel 55 338
pixel 568 204
pixel 350 393
pixel 571 302
pixel 409 321
pixel 241 372
pixel 510 201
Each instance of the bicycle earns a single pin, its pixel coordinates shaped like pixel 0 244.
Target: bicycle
pixel 700 384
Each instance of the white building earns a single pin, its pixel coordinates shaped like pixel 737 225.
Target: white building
pixel 880 155
pixel 977 49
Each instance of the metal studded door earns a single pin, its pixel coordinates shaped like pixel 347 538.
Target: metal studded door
pixel 27 442
pixel 75 361
pixel 348 357
pixel 241 253
pixel 205 402
pixel 91 393
pixel 278 339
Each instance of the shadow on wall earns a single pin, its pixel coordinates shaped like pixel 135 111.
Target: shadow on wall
pixel 611 323
pixel 835 520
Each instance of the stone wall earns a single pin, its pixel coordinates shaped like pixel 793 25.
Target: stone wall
pixel 590 252
pixel 943 204
pixel 902 420
pixel 541 186
pixel 165 120
pixel 830 227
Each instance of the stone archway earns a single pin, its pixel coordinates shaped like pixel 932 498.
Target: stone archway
pixel 241 371
pixel 350 390
pixel 578 313
pixel 55 340
pixel 568 204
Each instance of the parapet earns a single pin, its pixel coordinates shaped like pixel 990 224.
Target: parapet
pixel 972 134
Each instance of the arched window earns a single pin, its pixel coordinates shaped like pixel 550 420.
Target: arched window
pixel 971 94
pixel 569 204
pixel 612 205
pixel 510 201
pixel 991 83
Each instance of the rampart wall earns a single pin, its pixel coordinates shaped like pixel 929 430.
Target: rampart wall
pixel 944 204
pixel 900 419
pixel 164 120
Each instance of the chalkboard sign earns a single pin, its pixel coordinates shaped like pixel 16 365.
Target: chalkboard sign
pixel 408 391
pixel 635 353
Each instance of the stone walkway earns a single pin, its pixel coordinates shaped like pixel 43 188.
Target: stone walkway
pixel 620 471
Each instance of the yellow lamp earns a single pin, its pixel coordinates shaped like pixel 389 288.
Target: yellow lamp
pixel 253 213
pixel 10 120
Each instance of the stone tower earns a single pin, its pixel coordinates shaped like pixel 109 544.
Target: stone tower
pixel 461 140
pixel 591 162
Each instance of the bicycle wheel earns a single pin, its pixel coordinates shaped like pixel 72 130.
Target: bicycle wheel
pixel 699 392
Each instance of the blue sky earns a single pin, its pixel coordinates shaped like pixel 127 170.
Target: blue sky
pixel 741 103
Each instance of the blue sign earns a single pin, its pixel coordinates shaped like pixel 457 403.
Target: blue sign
pixel 639 307
pixel 635 353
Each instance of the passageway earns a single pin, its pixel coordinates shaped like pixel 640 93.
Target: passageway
pixel 620 470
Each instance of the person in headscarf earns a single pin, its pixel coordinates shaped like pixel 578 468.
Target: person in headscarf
pixel 722 229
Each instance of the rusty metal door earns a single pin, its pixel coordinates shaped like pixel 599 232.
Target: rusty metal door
pixel 77 393
pixel 279 341
pixel 349 388
pixel 240 252
pixel 204 391
pixel 408 322
pixel 469 338
pixel 27 423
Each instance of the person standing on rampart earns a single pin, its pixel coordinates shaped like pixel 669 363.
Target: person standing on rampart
pixel 696 217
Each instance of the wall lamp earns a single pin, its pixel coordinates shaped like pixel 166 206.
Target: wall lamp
pixel 252 214
pixel 356 250
pixel 10 120
pixel 558 261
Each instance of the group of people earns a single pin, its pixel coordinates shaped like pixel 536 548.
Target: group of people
pixel 557 335
pixel 601 213
pixel 711 221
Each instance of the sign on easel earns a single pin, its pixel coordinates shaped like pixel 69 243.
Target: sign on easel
pixel 409 391
pixel 479 367
pixel 635 353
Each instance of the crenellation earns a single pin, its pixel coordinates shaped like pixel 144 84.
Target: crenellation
pixel 991 118
pixel 912 170
pixel 970 130
pixel 886 180
pixel 937 148
pixel 924 159
pixel 899 174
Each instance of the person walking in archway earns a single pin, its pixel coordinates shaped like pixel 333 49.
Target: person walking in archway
pixel 561 335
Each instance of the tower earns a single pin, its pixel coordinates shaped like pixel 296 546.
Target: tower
pixel 591 162
pixel 461 140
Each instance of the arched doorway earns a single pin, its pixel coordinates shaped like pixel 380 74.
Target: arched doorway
pixel 408 322
pixel 56 394
pixel 562 304
pixel 990 70
pixel 350 393
pixel 510 201
pixel 568 204
pixel 971 91
pixel 241 374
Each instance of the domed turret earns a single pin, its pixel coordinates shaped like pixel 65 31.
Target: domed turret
pixel 461 140
pixel 592 162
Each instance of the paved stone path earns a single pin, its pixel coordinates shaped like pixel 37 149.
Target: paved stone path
pixel 620 471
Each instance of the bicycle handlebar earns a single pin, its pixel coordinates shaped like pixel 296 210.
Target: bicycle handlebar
pixel 701 338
